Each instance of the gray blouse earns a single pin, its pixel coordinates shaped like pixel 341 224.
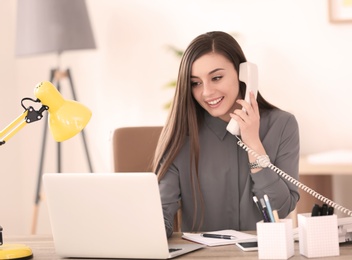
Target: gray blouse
pixel 226 183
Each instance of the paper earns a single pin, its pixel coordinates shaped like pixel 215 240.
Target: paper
pixel 240 237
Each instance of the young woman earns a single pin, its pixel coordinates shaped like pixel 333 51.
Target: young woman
pixel 200 167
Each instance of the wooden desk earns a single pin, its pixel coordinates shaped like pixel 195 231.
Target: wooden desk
pixel 43 249
pixel 319 178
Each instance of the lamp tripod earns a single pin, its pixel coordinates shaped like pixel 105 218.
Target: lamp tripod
pixel 56 75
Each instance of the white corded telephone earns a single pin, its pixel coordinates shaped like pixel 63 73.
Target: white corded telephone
pixel 248 73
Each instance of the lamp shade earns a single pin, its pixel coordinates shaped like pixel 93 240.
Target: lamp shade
pixel 52 26
pixel 66 117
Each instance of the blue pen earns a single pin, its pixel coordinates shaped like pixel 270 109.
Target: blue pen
pixel 268 205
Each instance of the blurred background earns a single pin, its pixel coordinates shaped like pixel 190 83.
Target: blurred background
pixel 304 63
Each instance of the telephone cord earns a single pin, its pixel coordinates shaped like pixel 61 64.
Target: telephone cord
pixel 293 180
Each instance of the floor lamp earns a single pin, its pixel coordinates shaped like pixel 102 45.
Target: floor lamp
pixel 53 26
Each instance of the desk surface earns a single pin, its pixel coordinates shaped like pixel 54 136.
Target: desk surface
pixel 43 248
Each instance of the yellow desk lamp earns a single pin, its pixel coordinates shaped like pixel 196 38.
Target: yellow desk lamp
pixel 66 119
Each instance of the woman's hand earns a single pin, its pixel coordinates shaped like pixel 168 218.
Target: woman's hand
pixel 248 120
pixel 249 123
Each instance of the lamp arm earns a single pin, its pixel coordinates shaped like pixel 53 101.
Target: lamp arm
pixel 28 116
pixel 13 128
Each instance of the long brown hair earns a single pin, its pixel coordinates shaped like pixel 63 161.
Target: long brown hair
pixel 185 116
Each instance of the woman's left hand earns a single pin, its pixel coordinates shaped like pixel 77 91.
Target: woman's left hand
pixel 248 119
pixel 249 123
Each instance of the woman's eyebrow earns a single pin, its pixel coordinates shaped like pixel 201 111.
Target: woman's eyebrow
pixel 211 72
pixel 215 70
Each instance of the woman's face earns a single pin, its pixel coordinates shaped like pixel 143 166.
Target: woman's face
pixel 215 85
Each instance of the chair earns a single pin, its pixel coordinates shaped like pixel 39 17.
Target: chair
pixel 134 147
pixel 133 151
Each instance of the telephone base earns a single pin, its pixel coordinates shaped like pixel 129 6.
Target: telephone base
pixel 344 226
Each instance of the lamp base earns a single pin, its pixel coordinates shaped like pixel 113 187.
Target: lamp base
pixel 15 251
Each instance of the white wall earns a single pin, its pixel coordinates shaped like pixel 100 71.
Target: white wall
pixel 304 66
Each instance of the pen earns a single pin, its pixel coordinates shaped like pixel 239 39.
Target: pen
pixel 324 210
pixel 218 236
pixel 276 216
pixel 260 208
pixel 268 205
pixel 265 211
pixel 315 210
pixel 255 199
pixel 330 211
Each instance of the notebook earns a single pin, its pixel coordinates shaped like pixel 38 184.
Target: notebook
pixel 108 215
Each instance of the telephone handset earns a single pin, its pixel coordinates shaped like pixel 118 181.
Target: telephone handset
pixel 248 73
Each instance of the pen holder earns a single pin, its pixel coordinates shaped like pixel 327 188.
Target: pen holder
pixel 318 236
pixel 275 239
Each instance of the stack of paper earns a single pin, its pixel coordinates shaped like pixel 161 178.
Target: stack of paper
pixel 237 237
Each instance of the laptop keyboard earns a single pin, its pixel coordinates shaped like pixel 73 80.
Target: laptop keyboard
pixel 174 249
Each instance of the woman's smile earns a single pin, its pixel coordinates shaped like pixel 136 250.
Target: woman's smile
pixel 214 102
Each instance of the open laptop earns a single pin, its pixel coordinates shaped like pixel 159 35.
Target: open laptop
pixel 108 215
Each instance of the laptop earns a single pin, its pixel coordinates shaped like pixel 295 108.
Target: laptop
pixel 108 215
